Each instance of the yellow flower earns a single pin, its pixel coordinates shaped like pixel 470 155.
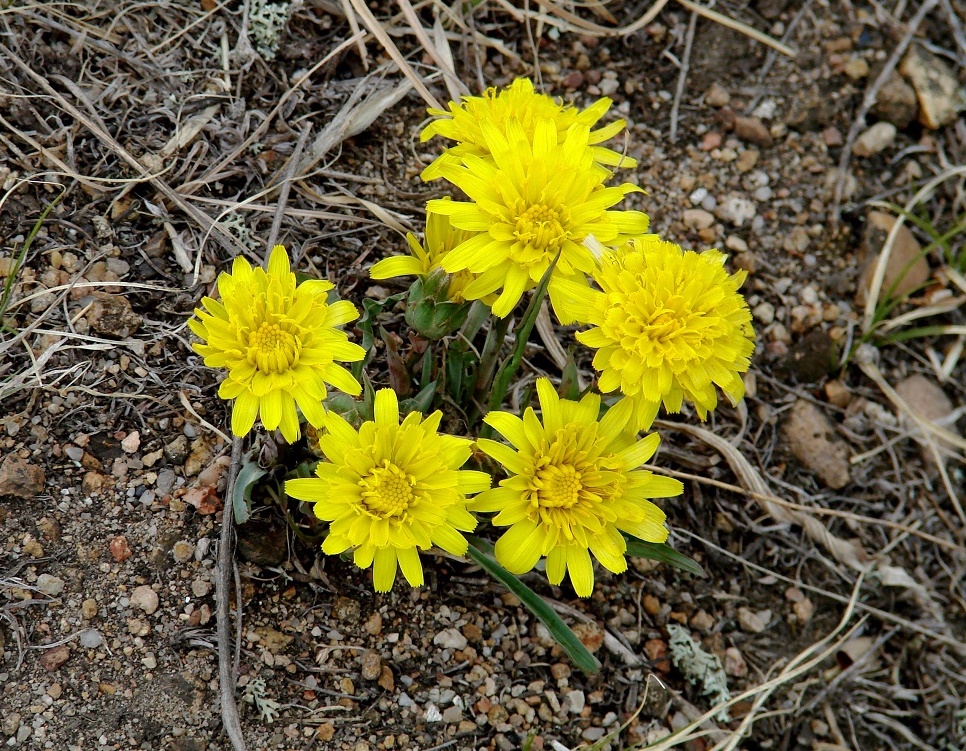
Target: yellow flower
pixel 278 341
pixel 441 238
pixel 574 485
pixel 669 325
pixel 463 123
pixel 390 488
pixel 527 204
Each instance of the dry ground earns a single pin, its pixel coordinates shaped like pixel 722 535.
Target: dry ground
pixel 835 591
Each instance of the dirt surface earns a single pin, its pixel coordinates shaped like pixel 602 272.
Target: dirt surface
pixel 151 122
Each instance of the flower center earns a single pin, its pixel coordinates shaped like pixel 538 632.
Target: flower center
pixel 557 486
pixel 272 349
pixel 542 228
pixel 387 491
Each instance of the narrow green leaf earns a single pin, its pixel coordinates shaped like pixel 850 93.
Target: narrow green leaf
pixel 241 495
pixel 422 402
pixel 663 553
pixel 566 638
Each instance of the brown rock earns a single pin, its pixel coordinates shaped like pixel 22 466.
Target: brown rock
pixel 906 252
pixel 112 315
pixel 812 358
pixel 590 634
pixel 925 397
pixel 813 442
pixel 838 393
pixel 386 679
pixel 734 663
pixel 95 482
pixel 940 96
pixel 55 657
pixel 896 102
pixel 371 666
pixel 753 622
pixel 20 478
pixel 120 550
pixel 717 96
pixel 753 129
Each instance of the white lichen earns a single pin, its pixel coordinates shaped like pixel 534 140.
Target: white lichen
pixel 266 22
pixel 255 695
pixel 699 667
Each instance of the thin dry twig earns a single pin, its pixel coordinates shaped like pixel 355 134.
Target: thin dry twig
pixel 226 676
pixel 682 76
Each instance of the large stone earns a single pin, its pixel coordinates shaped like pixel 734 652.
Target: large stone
pixel 896 102
pixel 812 440
pixel 112 315
pixel 940 96
pixel 907 267
pixel 875 139
pixel 20 478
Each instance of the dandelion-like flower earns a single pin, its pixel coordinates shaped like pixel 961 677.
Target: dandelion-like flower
pixel 518 102
pixel 574 485
pixel 441 238
pixel 391 489
pixel 669 325
pixel 279 343
pixel 529 203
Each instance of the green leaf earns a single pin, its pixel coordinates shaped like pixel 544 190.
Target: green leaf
pixel 663 553
pixel 566 638
pixel 366 324
pixel 422 402
pixel 241 495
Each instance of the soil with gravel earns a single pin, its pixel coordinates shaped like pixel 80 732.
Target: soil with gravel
pixel 112 469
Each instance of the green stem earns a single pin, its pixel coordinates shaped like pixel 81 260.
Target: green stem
pixel 487 365
pixel 510 366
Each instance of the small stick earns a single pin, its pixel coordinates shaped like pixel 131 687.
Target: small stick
pixel 226 677
pixel 869 99
pixel 682 76
pixel 286 185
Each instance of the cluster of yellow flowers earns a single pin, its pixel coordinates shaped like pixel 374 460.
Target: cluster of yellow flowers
pixel 669 326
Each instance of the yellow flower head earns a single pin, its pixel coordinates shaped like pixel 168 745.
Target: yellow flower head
pixel 441 238
pixel 519 102
pixel 529 203
pixel 390 488
pixel 574 485
pixel 278 341
pixel 669 325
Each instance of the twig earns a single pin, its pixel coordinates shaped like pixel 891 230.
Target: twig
pixel 869 99
pixel 682 76
pixel 226 676
pixel 713 15
pixel 286 184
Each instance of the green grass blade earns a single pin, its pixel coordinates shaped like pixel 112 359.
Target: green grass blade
pixel 566 638
pixel 664 553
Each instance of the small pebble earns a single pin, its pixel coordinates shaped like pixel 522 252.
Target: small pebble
pixel 145 598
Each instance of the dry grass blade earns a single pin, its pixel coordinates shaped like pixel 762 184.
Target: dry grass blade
pixel 98 129
pixel 932 435
pixel 442 58
pixel 859 518
pixel 580 25
pixel 800 665
pixel 353 118
pixel 730 23
pixel 878 276
pixel 376 29
pixel 848 552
